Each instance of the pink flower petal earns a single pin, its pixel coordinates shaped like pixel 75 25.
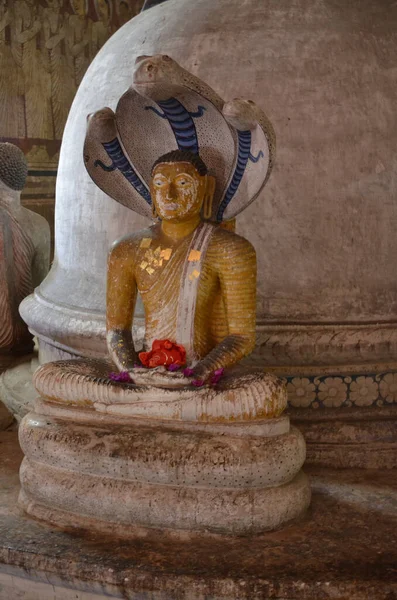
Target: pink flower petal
pixel 198 382
pixel 188 372
pixel 217 376
pixel 122 377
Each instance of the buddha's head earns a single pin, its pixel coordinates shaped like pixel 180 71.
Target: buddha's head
pixel 181 187
pixel 13 167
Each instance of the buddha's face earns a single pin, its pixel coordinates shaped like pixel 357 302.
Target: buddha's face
pixel 178 191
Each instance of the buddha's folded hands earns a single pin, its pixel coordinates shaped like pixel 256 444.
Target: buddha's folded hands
pixel 159 377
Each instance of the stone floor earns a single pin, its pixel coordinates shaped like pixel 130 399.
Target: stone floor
pixel 344 549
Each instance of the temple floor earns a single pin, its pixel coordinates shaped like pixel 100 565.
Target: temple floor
pixel 344 549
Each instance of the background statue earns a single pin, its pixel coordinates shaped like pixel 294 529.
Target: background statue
pixel 24 251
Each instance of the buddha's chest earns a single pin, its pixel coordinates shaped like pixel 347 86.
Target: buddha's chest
pixel 163 273
pixel 152 260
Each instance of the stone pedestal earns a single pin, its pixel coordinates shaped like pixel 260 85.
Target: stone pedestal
pixel 17 391
pixel 16 387
pixel 98 455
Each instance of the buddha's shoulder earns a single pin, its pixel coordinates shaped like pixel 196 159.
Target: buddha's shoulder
pixel 131 242
pixel 225 241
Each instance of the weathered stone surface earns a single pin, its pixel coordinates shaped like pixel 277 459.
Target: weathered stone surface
pixel 129 474
pixel 17 391
pixel 344 549
pixel 122 506
pixel 137 454
pixel 357 437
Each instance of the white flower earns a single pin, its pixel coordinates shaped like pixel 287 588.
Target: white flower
pixel 388 387
pixel 332 391
pixel 364 391
pixel 301 392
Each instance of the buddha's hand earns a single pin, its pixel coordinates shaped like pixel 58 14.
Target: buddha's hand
pixel 159 377
pixel 202 373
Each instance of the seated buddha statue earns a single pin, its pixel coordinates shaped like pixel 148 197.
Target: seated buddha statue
pixel 195 275
pixel 197 281
pixel 24 253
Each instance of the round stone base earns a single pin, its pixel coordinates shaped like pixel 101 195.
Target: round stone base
pixel 121 477
pixel 17 391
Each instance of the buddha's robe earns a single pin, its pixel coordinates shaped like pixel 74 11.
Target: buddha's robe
pixel 16 257
pixel 225 302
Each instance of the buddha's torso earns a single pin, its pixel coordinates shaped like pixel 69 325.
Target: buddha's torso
pixel 158 268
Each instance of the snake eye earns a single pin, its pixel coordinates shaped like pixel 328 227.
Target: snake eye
pixel 166 57
pixel 150 67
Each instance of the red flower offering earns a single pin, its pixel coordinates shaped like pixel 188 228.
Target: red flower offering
pixel 163 354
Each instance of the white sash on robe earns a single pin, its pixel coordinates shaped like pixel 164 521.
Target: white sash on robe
pixel 191 272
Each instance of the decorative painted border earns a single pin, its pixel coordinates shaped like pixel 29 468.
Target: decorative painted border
pixel 326 344
pixel 369 389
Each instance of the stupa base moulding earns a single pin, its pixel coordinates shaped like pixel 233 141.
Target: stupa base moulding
pixel 119 473
pixel 347 414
